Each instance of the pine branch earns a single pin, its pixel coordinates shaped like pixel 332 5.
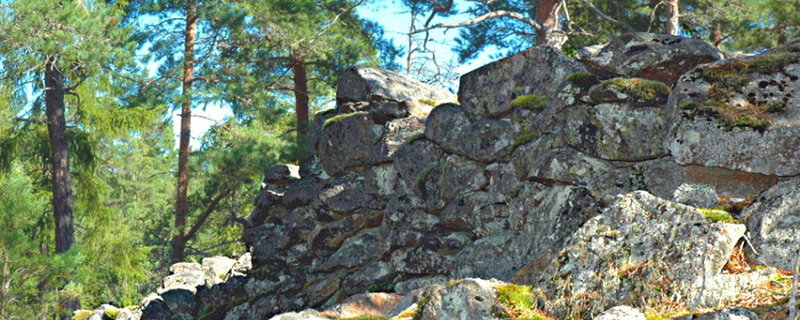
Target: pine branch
pixel 487 16
pixel 603 16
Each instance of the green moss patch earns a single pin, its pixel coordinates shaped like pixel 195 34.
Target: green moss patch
pixel 519 303
pixel 652 316
pixel 341 117
pixel 531 101
pixel 728 116
pixel 429 102
pixel 764 64
pixel 716 215
pixel 415 137
pixel 583 80
pixel 641 89
pixel 111 313
pixel 421 304
pixel 728 80
pixel 82 314
pixel 524 139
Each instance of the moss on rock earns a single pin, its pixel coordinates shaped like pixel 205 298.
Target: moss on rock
pixel 531 101
pixel 341 117
pixel 716 215
pixel 583 80
pixel 642 89
pixel 82 314
pixel 415 137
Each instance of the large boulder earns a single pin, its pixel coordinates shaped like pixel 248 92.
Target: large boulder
pixel 640 248
pixel 659 57
pixel 385 94
pixel 355 140
pixel 489 91
pixel 740 114
pixel 774 224
pixel 630 124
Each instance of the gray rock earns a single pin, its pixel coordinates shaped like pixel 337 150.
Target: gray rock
pixel 449 178
pixel 365 246
pixel 651 56
pixel 186 276
pixel 489 90
pixel 446 125
pixel 696 195
pixel 726 314
pixel 421 261
pixel 302 315
pixel 282 174
pixel 617 131
pixel 606 256
pixel 621 313
pixel 740 114
pixel 405 287
pixel 465 299
pixel 217 269
pixel 375 272
pixel 362 83
pixel 414 158
pixel 353 141
pixel 774 225
pixel 663 177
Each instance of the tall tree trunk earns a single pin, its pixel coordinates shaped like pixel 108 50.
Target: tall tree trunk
pixel 300 79
pixel 59 157
pixel 546 12
pixel 673 17
pixel 716 35
pixel 181 202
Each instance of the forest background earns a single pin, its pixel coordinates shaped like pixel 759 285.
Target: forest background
pixel 98 195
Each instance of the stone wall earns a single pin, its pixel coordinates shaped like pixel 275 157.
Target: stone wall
pixel 545 157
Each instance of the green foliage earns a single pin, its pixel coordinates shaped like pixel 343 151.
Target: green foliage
pixel 382 287
pixel 531 102
pixel 715 215
pixel 642 89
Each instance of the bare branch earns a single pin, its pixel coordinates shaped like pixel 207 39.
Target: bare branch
pixel 487 16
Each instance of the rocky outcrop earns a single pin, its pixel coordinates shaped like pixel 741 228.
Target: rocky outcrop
pixel 659 57
pixel 741 114
pixel 554 173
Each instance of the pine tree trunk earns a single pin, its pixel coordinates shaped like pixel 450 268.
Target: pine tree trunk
pixel 59 157
pixel 673 17
pixel 300 78
pixel 716 35
pixel 182 203
pixel 547 17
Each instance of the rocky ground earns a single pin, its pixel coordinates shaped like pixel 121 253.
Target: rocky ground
pixel 651 178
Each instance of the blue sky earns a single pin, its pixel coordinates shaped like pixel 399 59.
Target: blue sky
pixel 395 20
